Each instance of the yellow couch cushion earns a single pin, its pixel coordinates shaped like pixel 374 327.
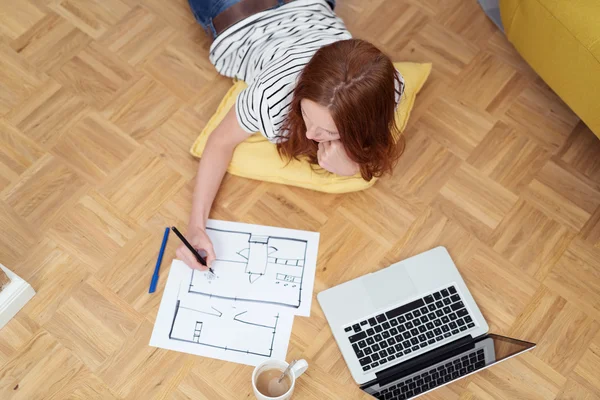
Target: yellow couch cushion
pixel 561 41
pixel 257 158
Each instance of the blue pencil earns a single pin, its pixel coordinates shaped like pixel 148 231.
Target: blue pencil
pixel 160 256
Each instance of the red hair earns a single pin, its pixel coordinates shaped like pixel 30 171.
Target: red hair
pixel 356 82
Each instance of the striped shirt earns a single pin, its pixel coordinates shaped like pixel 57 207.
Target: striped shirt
pixel 268 51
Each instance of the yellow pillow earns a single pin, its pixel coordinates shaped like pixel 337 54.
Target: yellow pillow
pixel 257 158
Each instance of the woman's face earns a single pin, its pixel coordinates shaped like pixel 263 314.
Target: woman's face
pixel 319 124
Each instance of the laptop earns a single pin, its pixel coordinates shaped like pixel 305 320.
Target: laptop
pixel 412 327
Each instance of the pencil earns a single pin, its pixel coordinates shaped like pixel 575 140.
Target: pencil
pixel 154 281
pixel 191 248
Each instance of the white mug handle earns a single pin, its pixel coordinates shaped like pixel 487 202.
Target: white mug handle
pixel 299 368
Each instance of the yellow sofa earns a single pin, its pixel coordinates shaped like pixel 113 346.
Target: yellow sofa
pixel 560 39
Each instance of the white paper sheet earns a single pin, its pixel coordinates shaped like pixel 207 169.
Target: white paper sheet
pixel 244 314
pixel 273 267
pixel 226 329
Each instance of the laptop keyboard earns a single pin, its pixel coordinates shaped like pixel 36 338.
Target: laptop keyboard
pixel 434 377
pixel 399 332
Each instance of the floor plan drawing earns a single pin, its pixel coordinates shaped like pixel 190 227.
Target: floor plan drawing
pixel 267 265
pixel 256 268
pixel 245 312
pixel 219 328
pixel 227 327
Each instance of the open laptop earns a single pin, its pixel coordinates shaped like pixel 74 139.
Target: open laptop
pixel 412 327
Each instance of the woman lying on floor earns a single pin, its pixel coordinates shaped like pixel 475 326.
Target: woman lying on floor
pixel 313 91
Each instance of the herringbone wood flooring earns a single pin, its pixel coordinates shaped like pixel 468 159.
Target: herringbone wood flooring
pixel 99 103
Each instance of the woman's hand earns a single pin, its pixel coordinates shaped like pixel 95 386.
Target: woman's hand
pixel 201 242
pixel 333 157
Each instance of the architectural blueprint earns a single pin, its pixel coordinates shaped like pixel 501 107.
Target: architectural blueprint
pixel 263 277
pixel 217 328
pixel 261 264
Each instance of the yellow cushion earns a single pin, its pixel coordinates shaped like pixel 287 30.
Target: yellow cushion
pixel 257 158
pixel 561 41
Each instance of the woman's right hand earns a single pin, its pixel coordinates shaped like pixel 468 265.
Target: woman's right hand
pixel 201 242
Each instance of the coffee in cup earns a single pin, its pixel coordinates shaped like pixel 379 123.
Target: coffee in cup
pixel 265 379
pixel 271 384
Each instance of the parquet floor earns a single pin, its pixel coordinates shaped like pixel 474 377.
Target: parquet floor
pixel 99 103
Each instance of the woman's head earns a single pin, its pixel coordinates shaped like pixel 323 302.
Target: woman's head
pixel 346 92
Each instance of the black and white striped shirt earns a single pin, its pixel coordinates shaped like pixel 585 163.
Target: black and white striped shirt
pixel 268 51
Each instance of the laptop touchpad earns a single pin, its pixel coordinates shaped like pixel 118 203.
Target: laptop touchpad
pixel 389 286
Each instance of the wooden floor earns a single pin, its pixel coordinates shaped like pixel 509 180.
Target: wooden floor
pixel 100 101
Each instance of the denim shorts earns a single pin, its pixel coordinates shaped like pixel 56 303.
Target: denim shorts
pixel 205 10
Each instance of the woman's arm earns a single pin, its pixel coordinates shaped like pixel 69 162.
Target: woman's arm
pixel 211 169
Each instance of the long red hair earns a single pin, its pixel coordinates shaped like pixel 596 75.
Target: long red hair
pixel 356 82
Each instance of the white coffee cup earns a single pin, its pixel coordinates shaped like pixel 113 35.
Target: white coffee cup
pixel 295 372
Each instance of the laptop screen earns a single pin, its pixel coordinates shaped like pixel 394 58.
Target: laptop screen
pixel 428 375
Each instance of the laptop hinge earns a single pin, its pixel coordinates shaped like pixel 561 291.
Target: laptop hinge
pixel 420 362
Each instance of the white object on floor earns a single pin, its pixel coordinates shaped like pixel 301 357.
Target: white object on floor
pixel 225 329
pixel 263 277
pixel 274 267
pixel 13 297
